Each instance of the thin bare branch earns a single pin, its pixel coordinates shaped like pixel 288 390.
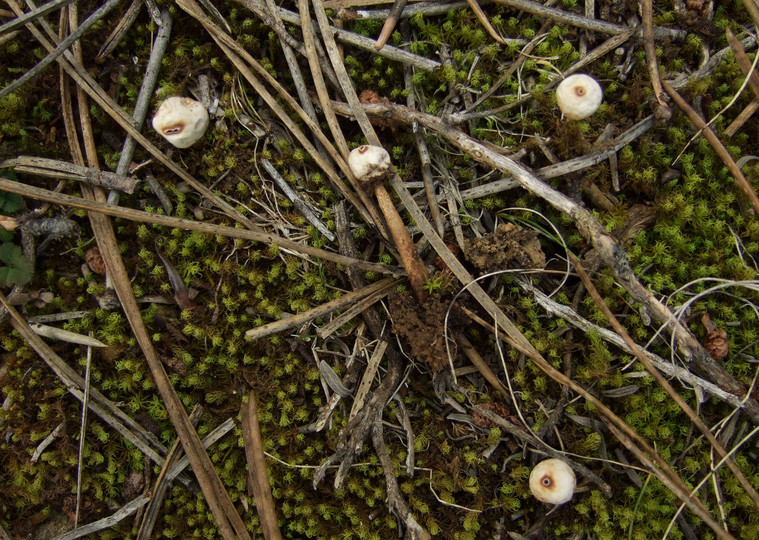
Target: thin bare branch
pixel 210 228
pixel 663 382
pixel 744 185
pixel 98 14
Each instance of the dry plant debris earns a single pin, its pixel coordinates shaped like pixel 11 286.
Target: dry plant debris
pixel 421 342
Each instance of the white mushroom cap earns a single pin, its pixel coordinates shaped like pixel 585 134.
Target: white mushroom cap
pixel 552 481
pixel 579 96
pixel 369 163
pixel 180 120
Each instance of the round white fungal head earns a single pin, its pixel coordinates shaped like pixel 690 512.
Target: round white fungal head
pixel 369 163
pixel 552 481
pixel 181 121
pixel 579 96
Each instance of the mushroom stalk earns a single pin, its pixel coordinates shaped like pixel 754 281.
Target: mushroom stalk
pixel 371 165
pixel 417 273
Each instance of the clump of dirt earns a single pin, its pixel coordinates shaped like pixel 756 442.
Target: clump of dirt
pixel 507 247
pixel 422 328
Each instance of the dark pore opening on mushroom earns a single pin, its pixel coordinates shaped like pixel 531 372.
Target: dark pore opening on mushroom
pixel 580 90
pixel 173 130
pixel 547 481
pixel 363 149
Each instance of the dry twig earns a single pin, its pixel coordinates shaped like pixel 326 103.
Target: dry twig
pixel 744 185
pixel 663 382
pixel 653 66
pixel 53 168
pixel 98 14
pixel 344 301
pixel 209 228
pixel 258 479
pixel 589 227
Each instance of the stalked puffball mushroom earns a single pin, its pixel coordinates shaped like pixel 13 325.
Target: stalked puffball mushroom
pixel 579 96
pixel 369 163
pixel 371 166
pixel 552 481
pixel 182 121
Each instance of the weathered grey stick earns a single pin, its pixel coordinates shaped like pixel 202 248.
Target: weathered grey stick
pixel 53 168
pixel 143 98
pixel 302 207
pixel 60 49
pixel 29 17
pixel 125 23
pixel 580 21
pixel 367 44
pixel 344 301
pixel 107 522
pixel 210 228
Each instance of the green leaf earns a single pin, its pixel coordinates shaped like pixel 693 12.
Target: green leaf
pixel 9 253
pixel 19 269
pixel 9 202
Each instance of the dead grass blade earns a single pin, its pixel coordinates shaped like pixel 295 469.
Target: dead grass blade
pixel 82 433
pixel 353 311
pixel 663 382
pixel 744 185
pixel 346 300
pixel 484 20
pixel 101 12
pixel 236 55
pixel 117 34
pixel 258 478
pixel 186 224
pixel 74 383
pixel 33 14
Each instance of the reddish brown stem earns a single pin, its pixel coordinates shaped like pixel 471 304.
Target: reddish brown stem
pixel 417 273
pixel 390 22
